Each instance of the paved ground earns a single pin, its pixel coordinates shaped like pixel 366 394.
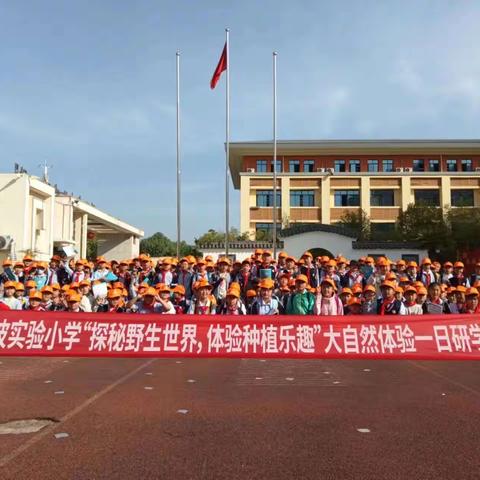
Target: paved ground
pixel 248 419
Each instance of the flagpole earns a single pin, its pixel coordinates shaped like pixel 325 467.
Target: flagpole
pixel 227 142
pixel 178 159
pixel 274 230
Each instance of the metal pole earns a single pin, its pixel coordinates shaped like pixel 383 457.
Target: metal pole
pixel 274 230
pixel 178 160
pixel 227 142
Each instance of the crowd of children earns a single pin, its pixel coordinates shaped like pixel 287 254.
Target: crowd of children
pixel 258 285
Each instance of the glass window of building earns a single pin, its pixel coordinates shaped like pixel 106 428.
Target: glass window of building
pixel 261 166
pixel 387 165
pixel 279 166
pixel 382 198
pixel 354 165
pixel 434 165
pixel 462 198
pixel 419 165
pixel 451 165
pixel 372 165
pixel 347 198
pixel 339 165
pixel 308 165
pixel 265 198
pixel 264 231
pixel 466 165
pixel 294 166
pixel 302 198
pixel 429 197
pixel 381 231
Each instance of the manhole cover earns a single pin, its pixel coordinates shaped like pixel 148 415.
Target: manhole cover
pixel 16 427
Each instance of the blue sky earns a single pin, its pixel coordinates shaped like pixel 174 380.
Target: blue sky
pixel 89 87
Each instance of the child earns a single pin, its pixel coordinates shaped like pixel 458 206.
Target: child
pixel 411 305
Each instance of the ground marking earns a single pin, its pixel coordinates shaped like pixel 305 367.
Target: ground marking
pixel 363 430
pixel 182 411
pixel 61 435
pixel 59 392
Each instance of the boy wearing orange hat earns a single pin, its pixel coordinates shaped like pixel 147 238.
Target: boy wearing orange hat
pixel 35 302
pixel 184 277
pixel 180 303
pixel 411 305
pixel 300 301
pixel 389 304
pixel 266 303
pixel 426 275
pixel 458 277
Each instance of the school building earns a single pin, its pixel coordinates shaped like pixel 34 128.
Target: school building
pixel 319 180
pixel 37 219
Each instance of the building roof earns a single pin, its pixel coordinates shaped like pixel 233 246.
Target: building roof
pixel 386 245
pixel 346 147
pixel 240 245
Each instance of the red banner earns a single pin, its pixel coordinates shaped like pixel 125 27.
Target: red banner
pixel 442 337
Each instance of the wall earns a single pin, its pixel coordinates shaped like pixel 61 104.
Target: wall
pixel 337 244
pixel 117 246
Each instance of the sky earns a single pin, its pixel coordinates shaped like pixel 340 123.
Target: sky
pixel 89 88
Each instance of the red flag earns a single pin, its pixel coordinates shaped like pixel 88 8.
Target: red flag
pixel 221 67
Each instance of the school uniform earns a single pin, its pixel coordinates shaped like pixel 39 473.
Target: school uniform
pixel 260 307
pixel 390 307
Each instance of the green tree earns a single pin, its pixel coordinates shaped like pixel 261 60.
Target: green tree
pixel 427 226
pixel 464 225
pixel 212 236
pixel 92 249
pixel 356 221
pixel 159 245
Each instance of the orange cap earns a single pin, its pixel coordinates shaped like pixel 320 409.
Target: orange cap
pixel 354 301
pixel 421 291
pixel 346 290
pixel 369 288
pixel 301 278
pixel 458 265
pixel 426 261
pixel 251 293
pixel 266 283
pixel 114 293
pixel 471 291
pixel 150 292
pixel 74 297
pixel 10 284
pixel 179 289
pixel 34 295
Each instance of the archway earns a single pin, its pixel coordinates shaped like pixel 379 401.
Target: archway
pixel 321 252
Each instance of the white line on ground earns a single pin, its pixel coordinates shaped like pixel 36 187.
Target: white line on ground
pixel 366 370
pixel 182 411
pixel 178 361
pixel 32 441
pixel 47 381
pixel 336 382
pixel 66 361
pixel 61 435
pixel 263 360
pixel 258 378
pixel 290 379
pixel 149 373
pixel 148 388
pixel 191 380
pixel 59 392
pixel 363 430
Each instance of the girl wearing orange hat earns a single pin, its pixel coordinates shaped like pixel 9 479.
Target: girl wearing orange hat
pixel 327 301
pixel 434 304
pixel 203 303
pixel 232 305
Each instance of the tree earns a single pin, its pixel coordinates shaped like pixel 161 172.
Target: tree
pixel 212 236
pixel 464 225
pixel 92 249
pixel 159 245
pixel 427 226
pixel 358 222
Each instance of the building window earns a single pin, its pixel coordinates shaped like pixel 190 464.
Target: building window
pixel 294 166
pixel 382 198
pixel 261 166
pixel 279 166
pixel 451 165
pixel 354 165
pixel 308 165
pixel 429 198
pixel 387 165
pixel 264 231
pixel 462 198
pixel 380 231
pixel 339 165
pixel 302 198
pixel 265 198
pixel 434 165
pixel 419 165
pixel 347 198
pixel 410 257
pixel 466 165
pixel 372 165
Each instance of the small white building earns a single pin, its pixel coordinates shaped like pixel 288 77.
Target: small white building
pixel 322 240
pixel 35 219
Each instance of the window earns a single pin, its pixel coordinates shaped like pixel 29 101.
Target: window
pixel 410 257
pixel 434 165
pixel 354 165
pixel 381 231
pixel 387 165
pixel 302 198
pixel 451 165
pixel 339 165
pixel 261 166
pixel 294 166
pixel 418 165
pixel 462 198
pixel 427 197
pixel 382 198
pixel 372 165
pixel 308 165
pixel 279 166
pixel 466 165
pixel 39 219
pixel 265 198
pixel 264 231
pixel 347 198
